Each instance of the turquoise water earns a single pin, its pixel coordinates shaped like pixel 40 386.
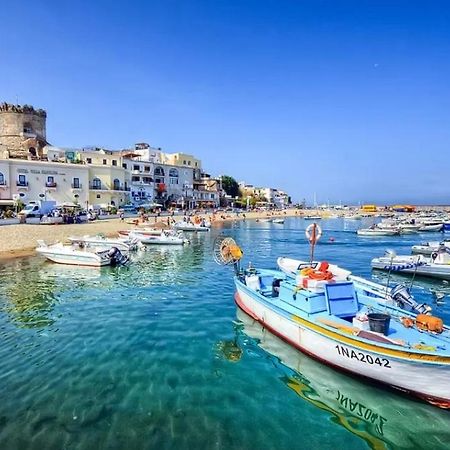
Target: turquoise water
pixel 157 356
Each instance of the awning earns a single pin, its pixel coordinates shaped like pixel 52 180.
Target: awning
pixel 7 202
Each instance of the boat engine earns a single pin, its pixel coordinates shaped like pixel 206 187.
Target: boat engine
pixel 117 257
pixel 401 295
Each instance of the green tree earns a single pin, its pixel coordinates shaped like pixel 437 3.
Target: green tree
pixel 230 186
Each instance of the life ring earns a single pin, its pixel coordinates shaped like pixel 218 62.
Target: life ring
pixel 313 233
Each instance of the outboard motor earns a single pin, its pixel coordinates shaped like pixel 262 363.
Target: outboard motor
pixel 402 297
pixel 117 257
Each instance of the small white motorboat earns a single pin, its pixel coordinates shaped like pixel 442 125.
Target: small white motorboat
pixel 201 226
pixel 146 231
pixel 279 221
pixel 427 248
pixel 167 237
pixel 73 255
pixel 433 227
pixel 437 266
pixel 124 244
pixel 375 231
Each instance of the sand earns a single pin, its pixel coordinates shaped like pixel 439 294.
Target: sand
pixel 21 240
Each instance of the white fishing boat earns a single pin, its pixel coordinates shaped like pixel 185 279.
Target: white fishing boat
pixel 123 244
pixel 279 221
pixel 73 255
pixel 345 328
pixel 437 266
pixel 199 226
pixel 167 237
pixel 375 231
pixel 353 217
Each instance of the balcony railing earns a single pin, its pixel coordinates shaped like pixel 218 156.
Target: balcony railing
pixel 50 184
pixel 105 187
pixel 2 183
pixel 76 186
pixel 22 183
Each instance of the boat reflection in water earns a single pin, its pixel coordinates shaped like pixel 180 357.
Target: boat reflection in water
pixel 380 417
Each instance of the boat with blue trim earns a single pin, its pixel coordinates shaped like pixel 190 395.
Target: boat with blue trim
pixel 330 318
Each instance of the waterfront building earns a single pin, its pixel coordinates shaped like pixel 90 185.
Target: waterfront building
pixel 32 180
pixel 207 191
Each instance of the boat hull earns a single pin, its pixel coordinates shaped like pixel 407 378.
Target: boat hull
pixel 75 260
pixel 434 271
pixel 401 372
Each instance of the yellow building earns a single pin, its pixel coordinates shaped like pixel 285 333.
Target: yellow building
pixel 369 208
pixel 181 160
pixel 109 182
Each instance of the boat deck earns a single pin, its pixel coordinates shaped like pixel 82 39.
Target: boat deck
pixel 315 307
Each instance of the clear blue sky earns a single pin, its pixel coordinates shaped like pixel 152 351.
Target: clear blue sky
pixel 348 99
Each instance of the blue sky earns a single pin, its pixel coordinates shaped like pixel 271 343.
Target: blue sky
pixel 348 99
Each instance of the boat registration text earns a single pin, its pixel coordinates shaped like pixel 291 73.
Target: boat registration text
pixel 363 357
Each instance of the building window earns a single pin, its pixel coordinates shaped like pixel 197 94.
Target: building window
pixel 189 163
pixel 147 169
pixel 22 180
pixel 99 196
pixel 159 180
pixel 104 162
pixel 50 182
pixel 173 176
pixel 76 183
pixel 124 166
pixel 116 184
pixel 2 179
pixel 136 167
pixel 96 183
pixel 147 180
pixel 114 162
pixel 135 179
pixel 159 171
pixel 27 128
pixel 89 160
pixel 184 162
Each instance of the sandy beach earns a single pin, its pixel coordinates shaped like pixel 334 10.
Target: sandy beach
pixel 20 240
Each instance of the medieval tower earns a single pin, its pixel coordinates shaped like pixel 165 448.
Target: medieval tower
pixel 22 131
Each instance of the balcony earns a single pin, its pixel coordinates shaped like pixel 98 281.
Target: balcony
pixel 97 187
pixel 76 186
pixel 120 188
pixel 50 184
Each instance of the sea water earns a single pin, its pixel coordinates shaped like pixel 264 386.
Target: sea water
pixel 157 356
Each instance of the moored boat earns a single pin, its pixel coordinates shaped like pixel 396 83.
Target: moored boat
pixel 279 221
pixel 375 231
pixel 346 329
pixel 167 237
pixel 437 266
pixel 73 255
pixel 428 248
pixel 199 226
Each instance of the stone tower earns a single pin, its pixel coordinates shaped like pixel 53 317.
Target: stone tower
pixel 22 130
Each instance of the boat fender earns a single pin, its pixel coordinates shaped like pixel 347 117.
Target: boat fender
pixel 429 323
pixel 434 256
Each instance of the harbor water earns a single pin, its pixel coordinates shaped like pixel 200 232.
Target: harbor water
pixel 157 356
